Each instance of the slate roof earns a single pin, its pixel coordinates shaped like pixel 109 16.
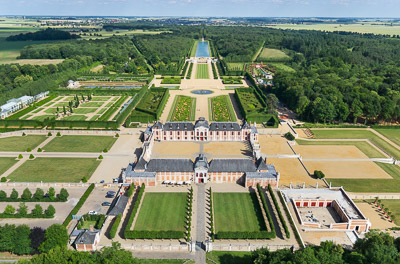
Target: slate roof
pixel 261 165
pixel 141 174
pixel 140 165
pixel 178 126
pixel 119 206
pixel 87 237
pixel 232 165
pixel 201 162
pixel 202 122
pixel 270 173
pixel 158 125
pixel 225 126
pixel 170 165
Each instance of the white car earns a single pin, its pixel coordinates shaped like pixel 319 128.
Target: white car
pixel 92 213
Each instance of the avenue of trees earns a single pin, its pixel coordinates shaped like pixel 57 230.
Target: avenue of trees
pixel 46 34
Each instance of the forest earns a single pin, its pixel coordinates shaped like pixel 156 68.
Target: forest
pixel 46 34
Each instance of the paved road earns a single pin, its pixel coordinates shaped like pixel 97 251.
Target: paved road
pixel 200 256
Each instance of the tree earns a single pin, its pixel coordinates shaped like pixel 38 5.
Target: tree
pixel 22 242
pixel 3 195
pixel 64 110
pixel 38 194
pixel 52 193
pixel 9 210
pixel 14 194
pixel 63 196
pixel 26 195
pixel 37 211
pixel 20 156
pixel 50 211
pixel 23 209
pixel 37 238
pixel 56 236
pixel 31 156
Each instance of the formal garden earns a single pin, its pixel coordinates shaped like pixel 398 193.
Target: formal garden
pixel 171 80
pixel 183 109
pixel 202 71
pixel 21 143
pixel 151 107
pixel 222 109
pixel 78 143
pixel 231 80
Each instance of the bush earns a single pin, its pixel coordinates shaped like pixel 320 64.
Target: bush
pixel 289 136
pixel 130 191
pixel 23 134
pixel 26 195
pixel 319 174
pixel 100 157
pixel 3 179
pixel 28 150
pixel 58 134
pixel 144 234
pixel 245 235
pixel 63 196
pixel 114 227
pixel 9 210
pixel 84 179
pixel 3 195
pixel 37 211
pixel 31 156
pixel 264 203
pixel 14 194
pixel 20 156
pixel 39 150
pixel 117 135
pixel 78 205
pixel 278 209
pixel 105 150
pixel 38 194
pixel 49 134
pixel 127 232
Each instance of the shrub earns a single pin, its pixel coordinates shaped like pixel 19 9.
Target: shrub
pixel 38 194
pixel 105 150
pixel 78 205
pixel 289 136
pixel 117 135
pixel 14 194
pixel 264 203
pixel 28 150
pixel 63 196
pixel 3 179
pixel 127 232
pixel 49 134
pixel 51 193
pixel 114 227
pixel 26 195
pixel 37 211
pixel 3 195
pixel 100 157
pixel 278 209
pixel 58 134
pixel 84 179
pixel 130 191
pixel 319 174
pixel 9 210
pixel 20 156
pixel 245 235
pixel 39 150
pixel 31 156
pixel 23 134
pixel 23 209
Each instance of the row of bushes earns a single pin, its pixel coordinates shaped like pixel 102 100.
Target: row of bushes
pixel 185 68
pixel 265 206
pixel 30 108
pixel 78 205
pixel 37 212
pixel 292 224
pixel 211 216
pixel 144 234
pixel 278 209
pixel 189 214
pixel 114 226
pixel 214 70
pixel 129 233
pixel 245 235
pixel 38 196
pixel 189 74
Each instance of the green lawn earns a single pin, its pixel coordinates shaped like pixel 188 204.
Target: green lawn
pixel 92 104
pixel 87 224
pixel 272 54
pixel 42 117
pixel 74 117
pixel 20 143
pixel 83 110
pixel 372 185
pixel 162 212
pixel 6 163
pixel 202 71
pixel 53 110
pixel 222 109
pixel 80 144
pixel 365 147
pixel 100 98
pixel 54 170
pixel 394 207
pixel 237 212
pixel 230 257
pixel 61 104
pixel 363 134
pixel 391 134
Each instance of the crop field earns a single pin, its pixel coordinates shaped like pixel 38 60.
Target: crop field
pixel 21 143
pixel 272 54
pixel 391 134
pixel 222 109
pixel 357 134
pixel 237 212
pixel 6 163
pixel 69 143
pixel 202 71
pixel 54 170
pixel 162 212
pixel 183 109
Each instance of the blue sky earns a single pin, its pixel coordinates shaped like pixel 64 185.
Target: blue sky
pixel 260 8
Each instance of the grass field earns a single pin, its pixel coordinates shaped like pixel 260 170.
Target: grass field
pixel 92 104
pixel 359 134
pixel 394 207
pixel 75 118
pixel 162 212
pixel 54 170
pixel 281 67
pixel 183 109
pixel 392 134
pixel 202 71
pixel 83 110
pixel 222 109
pixel 230 257
pixel 20 143
pixel 272 54
pixel 365 147
pixel 80 144
pixel 101 98
pixel 372 185
pixel 237 212
pixel 6 163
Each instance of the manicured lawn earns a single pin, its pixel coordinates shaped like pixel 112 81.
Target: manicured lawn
pixel 6 163
pixel 52 110
pixel 183 108
pixel 100 98
pixel 365 147
pixel 93 118
pixel 202 71
pixel 82 110
pixel 222 109
pixel 74 117
pixel 92 104
pixel 87 224
pixel 372 185
pixel 237 212
pixel 54 170
pixel 275 54
pixel 162 212
pixel 80 144
pixel 391 134
pixel 43 117
pixel 394 206
pixel 230 257
pixel 61 104
pixel 351 133
pixel 20 143
pixel 231 80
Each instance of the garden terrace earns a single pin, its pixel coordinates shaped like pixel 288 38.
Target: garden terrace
pixel 153 102
pixel 222 109
pixel 183 109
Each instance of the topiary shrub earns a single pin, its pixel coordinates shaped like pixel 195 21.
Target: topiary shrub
pixel 39 150
pixel 20 156
pixel 101 157
pixel 49 134
pixel 319 174
pixel 105 150
pixel 23 134
pixel 117 135
pixel 28 150
pixel 3 179
pixel 58 134
pixel 289 136
pixel 84 179
pixel 31 156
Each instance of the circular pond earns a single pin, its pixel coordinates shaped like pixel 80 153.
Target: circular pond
pixel 202 92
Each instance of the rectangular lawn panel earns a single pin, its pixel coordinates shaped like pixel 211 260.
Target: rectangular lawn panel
pixel 6 163
pixel 202 71
pixel 83 110
pixel 43 117
pixel 92 104
pixel 100 98
pixel 183 108
pixel 272 54
pixel 162 212
pixel 359 134
pixel 391 134
pixel 237 212
pixel 80 144
pixel 54 170
pixel 74 117
pixel 222 109
pixel 20 143
pixel 61 104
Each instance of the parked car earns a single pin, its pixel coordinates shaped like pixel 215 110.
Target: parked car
pixel 102 181
pixel 111 192
pixel 109 196
pixel 116 180
pixel 106 204
pixel 92 213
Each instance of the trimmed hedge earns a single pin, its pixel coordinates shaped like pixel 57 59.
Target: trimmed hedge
pixel 114 227
pixel 245 235
pixel 135 234
pixel 265 206
pixel 189 74
pixel 129 192
pixel 278 209
pixel 289 136
pixel 214 71
pixel 319 174
pixel 211 216
pixel 78 205
pixel 110 111
pixel 127 232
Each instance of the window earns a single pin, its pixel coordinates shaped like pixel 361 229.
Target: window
pixel 170 133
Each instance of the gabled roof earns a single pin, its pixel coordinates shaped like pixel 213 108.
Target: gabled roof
pixel 170 165
pixel 232 165
pixel 225 126
pixel 87 237
pixel 202 122
pixel 261 165
pixel 141 164
pixel 201 162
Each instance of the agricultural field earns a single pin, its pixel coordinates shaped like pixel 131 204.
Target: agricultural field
pixel 183 109
pixel 202 71
pixel 21 143
pixel 391 134
pixel 272 54
pixel 120 32
pixel 357 134
pixel 6 163
pixel 54 170
pixel 162 212
pixel 69 143
pixel 222 109
pixel 237 212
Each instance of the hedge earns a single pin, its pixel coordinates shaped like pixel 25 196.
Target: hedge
pixel 43 199
pixel 211 216
pixel 245 235
pixel 144 234
pixel 127 232
pixel 264 203
pixel 100 219
pixel 129 193
pixel 278 209
pixel 3 215
pixel 114 227
pixel 292 224
pixel 289 136
pixel 214 71
pixel 78 205
pixel 189 74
